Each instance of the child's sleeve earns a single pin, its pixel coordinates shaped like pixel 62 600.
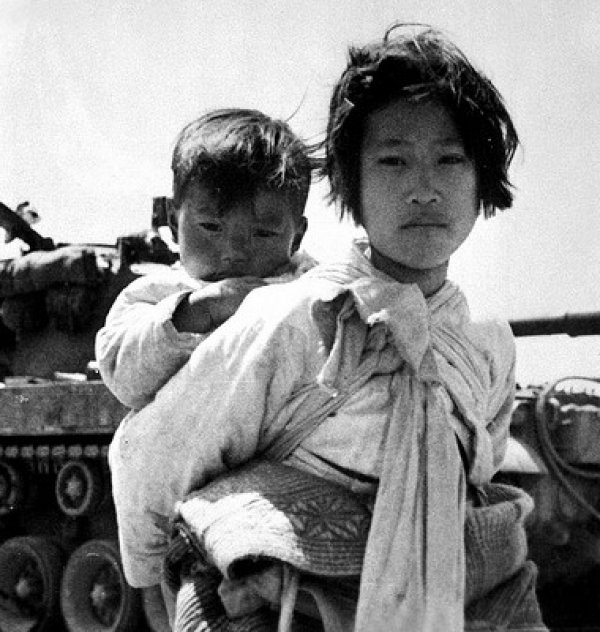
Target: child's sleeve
pixel 139 349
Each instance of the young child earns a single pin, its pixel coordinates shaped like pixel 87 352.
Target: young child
pixel 240 184
pixel 418 145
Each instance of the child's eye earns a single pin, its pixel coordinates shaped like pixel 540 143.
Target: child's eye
pixel 391 161
pixel 211 227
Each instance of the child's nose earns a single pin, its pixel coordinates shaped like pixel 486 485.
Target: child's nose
pixel 237 246
pixel 423 189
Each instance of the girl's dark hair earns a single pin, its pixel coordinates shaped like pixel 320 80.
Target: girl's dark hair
pixel 416 62
pixel 237 151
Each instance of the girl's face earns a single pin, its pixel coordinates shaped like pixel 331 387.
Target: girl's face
pixel 418 188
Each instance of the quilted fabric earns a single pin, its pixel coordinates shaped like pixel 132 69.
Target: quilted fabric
pixel 269 510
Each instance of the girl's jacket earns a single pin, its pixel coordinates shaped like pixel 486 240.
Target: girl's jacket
pixel 416 376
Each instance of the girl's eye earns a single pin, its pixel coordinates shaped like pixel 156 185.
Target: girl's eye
pixel 453 159
pixel 261 232
pixel 211 227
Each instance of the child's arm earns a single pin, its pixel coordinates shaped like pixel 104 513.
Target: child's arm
pixel 205 309
pixel 152 329
pixel 139 349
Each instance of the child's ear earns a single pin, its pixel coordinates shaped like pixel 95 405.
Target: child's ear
pixel 173 221
pixel 302 225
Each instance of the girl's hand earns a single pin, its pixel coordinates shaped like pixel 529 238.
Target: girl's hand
pixel 205 309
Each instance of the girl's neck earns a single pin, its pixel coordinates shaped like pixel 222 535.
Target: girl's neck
pixel 429 280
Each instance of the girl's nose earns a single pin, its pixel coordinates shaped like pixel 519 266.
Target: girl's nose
pixel 423 189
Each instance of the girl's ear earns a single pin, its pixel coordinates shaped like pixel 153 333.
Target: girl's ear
pixel 300 231
pixel 173 221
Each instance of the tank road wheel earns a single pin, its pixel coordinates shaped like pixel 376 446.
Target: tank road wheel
pixel 12 488
pixel 30 572
pixel 79 489
pixel 94 595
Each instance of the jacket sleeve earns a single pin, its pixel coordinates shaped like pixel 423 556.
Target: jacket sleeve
pixel 139 349
pixel 205 420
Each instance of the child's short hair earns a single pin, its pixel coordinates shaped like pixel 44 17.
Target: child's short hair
pixel 235 152
pixel 421 65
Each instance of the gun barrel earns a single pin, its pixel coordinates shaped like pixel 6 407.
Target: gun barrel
pixel 17 227
pixel 579 324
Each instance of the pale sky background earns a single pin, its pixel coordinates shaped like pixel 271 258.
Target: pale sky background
pixel 93 93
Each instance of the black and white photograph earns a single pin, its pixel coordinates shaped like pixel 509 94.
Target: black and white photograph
pixel 299 316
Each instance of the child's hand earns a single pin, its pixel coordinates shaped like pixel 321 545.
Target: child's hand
pixel 211 306
pixel 224 297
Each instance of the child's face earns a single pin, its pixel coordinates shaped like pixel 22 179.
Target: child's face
pixel 418 188
pixel 253 237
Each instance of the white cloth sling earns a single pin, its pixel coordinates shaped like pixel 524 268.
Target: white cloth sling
pixel 413 576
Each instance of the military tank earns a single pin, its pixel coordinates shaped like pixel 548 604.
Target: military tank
pixel 554 454
pixel 59 560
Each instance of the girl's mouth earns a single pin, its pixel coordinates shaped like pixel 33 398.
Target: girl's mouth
pixel 425 225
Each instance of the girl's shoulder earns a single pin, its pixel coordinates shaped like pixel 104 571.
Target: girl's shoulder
pixel 491 335
pixel 299 305
pixel 494 339
pixel 489 340
pixel 494 334
pixel 295 296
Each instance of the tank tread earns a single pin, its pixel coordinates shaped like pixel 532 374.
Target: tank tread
pixel 46 458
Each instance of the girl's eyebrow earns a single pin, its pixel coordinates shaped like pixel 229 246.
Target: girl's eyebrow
pixel 404 142
pixel 452 140
pixel 393 142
